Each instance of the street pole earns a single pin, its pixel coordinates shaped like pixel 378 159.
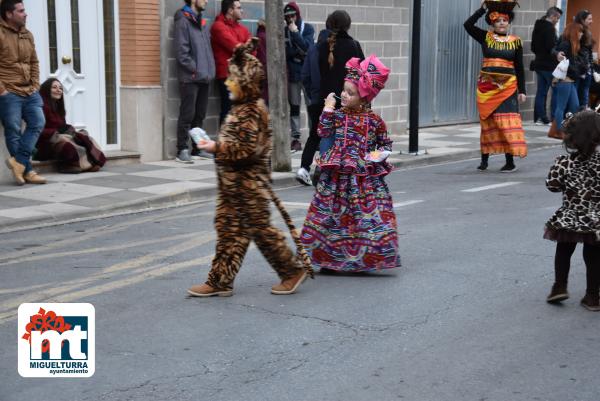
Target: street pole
pixel 415 60
pixel 278 100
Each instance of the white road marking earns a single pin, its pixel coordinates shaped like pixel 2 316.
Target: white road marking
pixel 297 204
pixel 407 203
pixel 494 186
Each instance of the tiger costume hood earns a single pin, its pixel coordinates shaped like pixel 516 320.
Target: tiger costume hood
pixel 246 72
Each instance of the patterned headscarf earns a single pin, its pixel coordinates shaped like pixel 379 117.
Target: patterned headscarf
pixel 495 15
pixel 369 76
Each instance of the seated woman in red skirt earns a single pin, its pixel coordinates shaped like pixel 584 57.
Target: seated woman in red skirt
pixel 75 150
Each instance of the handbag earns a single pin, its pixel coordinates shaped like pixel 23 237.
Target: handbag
pixel 560 72
pixel 532 65
pixel 554 132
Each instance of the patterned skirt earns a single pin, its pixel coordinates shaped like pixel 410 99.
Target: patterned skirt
pixel 351 224
pixel 502 131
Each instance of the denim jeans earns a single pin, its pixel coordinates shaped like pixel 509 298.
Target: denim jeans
pixel 566 100
pixel 13 110
pixel 583 89
pixel 544 81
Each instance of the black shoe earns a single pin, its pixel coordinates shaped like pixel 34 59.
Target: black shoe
pixel 483 166
pixel 558 294
pixel 508 168
pixel 296 146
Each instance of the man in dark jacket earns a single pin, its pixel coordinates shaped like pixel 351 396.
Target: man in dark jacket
pixel 299 38
pixel 196 68
pixel 543 39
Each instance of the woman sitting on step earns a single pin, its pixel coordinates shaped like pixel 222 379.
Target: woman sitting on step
pixel 74 149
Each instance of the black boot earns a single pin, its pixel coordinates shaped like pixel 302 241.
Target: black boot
pixel 509 167
pixel 484 162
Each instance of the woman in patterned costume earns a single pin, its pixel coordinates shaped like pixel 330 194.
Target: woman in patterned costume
pixel 242 155
pixel 578 219
pixel 501 84
pixel 351 225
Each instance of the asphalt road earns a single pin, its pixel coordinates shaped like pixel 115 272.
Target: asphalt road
pixel 463 319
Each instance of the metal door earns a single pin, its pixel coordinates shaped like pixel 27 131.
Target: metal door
pixel 450 61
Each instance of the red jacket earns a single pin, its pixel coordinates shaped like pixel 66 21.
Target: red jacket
pixel 225 35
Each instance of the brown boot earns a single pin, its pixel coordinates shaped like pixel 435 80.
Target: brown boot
pixel 558 293
pixel 17 169
pixel 205 290
pixel 290 285
pixel 591 302
pixel 34 178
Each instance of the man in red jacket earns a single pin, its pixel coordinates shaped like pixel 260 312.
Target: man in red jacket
pixel 226 33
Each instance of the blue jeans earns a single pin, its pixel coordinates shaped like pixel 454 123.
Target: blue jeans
pixel 544 81
pixel 583 89
pixel 566 100
pixel 14 109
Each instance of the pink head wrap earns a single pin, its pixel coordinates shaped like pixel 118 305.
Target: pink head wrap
pixel 369 76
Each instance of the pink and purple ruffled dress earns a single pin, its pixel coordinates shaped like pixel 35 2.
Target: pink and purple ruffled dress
pixel 351 224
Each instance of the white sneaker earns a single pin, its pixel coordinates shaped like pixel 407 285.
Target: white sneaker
pixel 303 177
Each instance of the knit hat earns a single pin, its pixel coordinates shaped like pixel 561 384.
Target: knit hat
pixel 369 76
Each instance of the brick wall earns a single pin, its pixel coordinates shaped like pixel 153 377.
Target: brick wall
pixel 522 26
pixel 139 23
pixel 381 26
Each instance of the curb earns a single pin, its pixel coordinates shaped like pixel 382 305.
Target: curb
pixel 201 195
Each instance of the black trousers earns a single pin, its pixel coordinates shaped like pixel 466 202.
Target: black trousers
pixel 312 143
pixel 192 110
pixel 225 101
pixel 591 257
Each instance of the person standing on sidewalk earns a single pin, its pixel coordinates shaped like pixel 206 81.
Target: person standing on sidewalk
pixel 19 96
pixel 543 39
pixel 225 34
pixel 196 68
pixel 584 18
pixel 243 156
pixel 578 219
pixel 311 79
pixel 299 38
pixel 501 84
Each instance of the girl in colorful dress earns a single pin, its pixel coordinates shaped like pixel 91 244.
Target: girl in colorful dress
pixel 501 84
pixel 578 219
pixel 351 224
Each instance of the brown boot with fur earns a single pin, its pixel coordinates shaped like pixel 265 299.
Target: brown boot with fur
pixel 290 285
pixel 17 169
pixel 205 290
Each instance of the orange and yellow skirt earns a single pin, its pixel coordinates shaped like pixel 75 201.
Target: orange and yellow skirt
pixel 501 124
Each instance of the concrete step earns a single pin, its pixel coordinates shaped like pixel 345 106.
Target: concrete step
pixel 113 158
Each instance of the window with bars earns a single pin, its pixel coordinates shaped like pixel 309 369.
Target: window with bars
pixel 75 36
pixel 110 71
pixel 52 40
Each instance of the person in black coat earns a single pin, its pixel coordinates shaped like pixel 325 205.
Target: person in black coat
pixel 543 39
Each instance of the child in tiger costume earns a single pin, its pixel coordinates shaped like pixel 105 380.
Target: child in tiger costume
pixel 242 154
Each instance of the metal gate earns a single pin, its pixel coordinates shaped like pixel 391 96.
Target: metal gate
pixel 450 62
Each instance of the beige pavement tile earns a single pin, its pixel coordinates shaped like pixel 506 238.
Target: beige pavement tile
pixel 58 177
pixel 59 192
pixel 174 187
pixel 178 174
pixel 48 209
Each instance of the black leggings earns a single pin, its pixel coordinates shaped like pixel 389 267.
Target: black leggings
pixel 312 143
pixel 510 160
pixel 591 257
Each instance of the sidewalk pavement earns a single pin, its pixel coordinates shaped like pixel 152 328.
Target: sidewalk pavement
pixel 139 187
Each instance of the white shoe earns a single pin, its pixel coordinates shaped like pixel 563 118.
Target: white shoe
pixel 303 177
